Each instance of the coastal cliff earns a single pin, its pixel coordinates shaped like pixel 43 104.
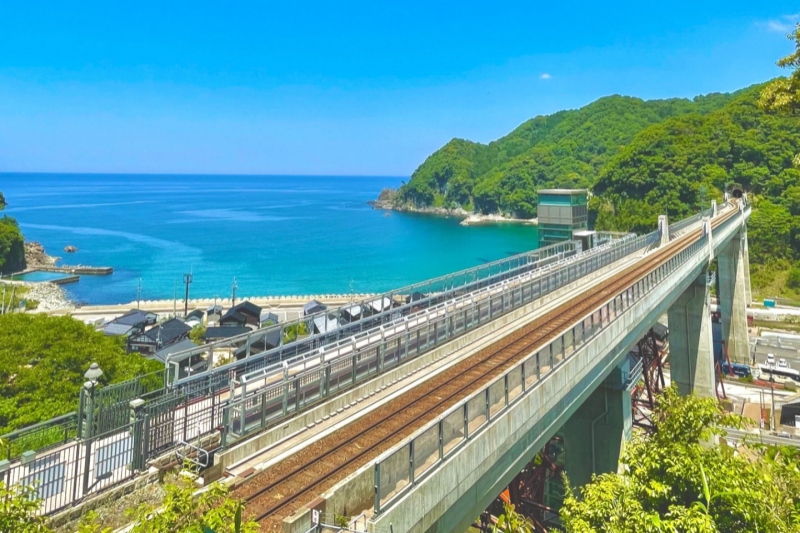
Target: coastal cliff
pixel 36 256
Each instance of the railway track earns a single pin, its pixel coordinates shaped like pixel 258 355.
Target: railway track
pixel 278 491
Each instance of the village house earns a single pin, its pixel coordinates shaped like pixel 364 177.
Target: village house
pixel 159 336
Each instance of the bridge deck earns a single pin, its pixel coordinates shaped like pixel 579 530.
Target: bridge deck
pixel 279 491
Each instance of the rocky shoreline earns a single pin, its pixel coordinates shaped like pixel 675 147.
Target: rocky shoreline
pixel 49 295
pixel 470 218
pixel 36 256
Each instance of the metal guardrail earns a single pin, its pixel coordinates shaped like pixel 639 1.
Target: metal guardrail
pixel 41 436
pixel 420 294
pixel 399 469
pixel 309 380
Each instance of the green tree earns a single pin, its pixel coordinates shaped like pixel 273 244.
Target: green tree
pixel 198 334
pixel 793 280
pixel 783 95
pixel 12 247
pixel 674 481
pixel 42 362
pixel 213 511
pixel 18 510
pixel 512 522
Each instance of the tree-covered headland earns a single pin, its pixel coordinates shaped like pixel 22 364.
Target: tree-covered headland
pixel 12 247
pixel 642 159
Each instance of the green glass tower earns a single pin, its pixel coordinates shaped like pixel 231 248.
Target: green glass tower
pixel 561 213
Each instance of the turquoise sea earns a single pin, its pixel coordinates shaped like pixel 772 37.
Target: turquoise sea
pixel 277 235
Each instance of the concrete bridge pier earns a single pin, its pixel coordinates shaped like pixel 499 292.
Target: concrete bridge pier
pixel 734 295
pixel 595 435
pixel 691 355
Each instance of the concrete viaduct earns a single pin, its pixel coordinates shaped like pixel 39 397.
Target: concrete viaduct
pixel 586 398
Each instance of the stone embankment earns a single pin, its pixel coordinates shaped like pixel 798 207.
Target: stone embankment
pixel 49 295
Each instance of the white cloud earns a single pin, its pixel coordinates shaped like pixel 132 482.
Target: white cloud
pixel 784 24
pixel 545 76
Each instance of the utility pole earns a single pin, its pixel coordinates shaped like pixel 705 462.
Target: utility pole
pixel 187 280
pixel 3 305
pixel 233 294
pixel 175 299
pixel 138 293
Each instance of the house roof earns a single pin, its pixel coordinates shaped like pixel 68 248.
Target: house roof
pixel 114 328
pixel 564 192
pixel 352 310
pixel 269 317
pixel 324 326
pixel 381 304
pixel 132 318
pixel 168 331
pixel 248 307
pixel 225 332
pixel 313 307
pixel 181 346
pixel 233 314
pixel 199 313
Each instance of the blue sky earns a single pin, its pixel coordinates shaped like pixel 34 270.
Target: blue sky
pixel 367 88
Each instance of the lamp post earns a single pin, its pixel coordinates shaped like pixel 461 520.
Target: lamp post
pixel 92 375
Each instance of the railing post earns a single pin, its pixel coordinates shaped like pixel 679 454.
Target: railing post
pixel 382 351
pixel 411 462
pixel 377 488
pixel 297 394
pixel 441 439
pixel 263 410
pixel 226 419
pixel 466 420
pixel 286 386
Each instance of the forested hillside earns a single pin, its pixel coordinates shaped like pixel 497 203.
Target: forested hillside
pixel 640 159
pixel 566 149
pixel 678 165
pixel 12 247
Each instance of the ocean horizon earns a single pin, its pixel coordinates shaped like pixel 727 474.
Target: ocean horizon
pixel 276 235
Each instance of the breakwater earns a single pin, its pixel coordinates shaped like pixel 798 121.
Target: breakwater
pixel 87 270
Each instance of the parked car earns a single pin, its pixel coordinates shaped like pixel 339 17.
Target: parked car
pixel 782 363
pixel 771 359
